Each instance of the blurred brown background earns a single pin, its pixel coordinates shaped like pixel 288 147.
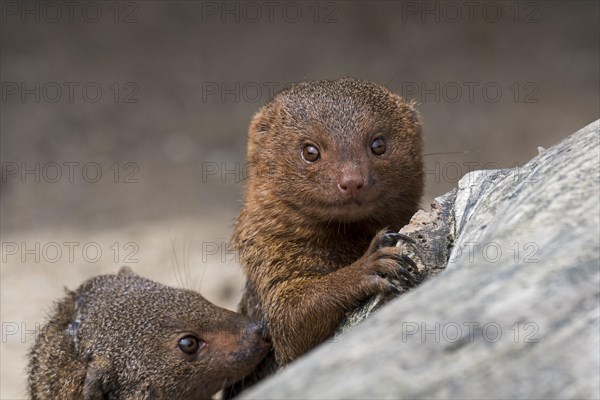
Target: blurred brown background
pixel 123 124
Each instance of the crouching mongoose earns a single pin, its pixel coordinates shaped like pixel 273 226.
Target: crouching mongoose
pixel 126 337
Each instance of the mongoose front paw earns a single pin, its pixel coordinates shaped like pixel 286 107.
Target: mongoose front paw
pixel 388 269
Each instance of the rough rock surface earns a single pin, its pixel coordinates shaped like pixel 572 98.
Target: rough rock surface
pixel 516 312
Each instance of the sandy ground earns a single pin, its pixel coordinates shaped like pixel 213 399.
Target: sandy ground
pixel 171 162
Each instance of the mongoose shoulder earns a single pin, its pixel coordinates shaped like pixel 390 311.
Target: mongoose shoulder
pixel 123 336
pixel 332 164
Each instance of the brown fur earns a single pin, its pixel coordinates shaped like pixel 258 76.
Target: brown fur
pixel 116 337
pixel 310 252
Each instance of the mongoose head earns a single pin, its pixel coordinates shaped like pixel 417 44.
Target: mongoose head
pixel 343 150
pixel 124 336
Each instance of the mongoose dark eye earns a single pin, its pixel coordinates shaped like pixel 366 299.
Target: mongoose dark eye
pixel 189 344
pixel 378 146
pixel 310 153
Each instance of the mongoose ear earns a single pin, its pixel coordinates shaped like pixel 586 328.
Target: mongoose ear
pixel 259 127
pixel 410 114
pixel 260 121
pixel 126 271
pixel 95 386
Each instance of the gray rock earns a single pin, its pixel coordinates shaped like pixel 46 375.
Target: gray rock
pixel 516 312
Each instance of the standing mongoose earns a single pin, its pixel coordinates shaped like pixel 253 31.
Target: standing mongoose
pixel 334 165
pixel 126 337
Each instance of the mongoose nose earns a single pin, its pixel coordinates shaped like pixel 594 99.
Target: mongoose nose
pixel 350 184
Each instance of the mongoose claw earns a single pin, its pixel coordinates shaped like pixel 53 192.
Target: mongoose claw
pixel 394 289
pixel 406 259
pixel 405 238
pixel 390 239
pixel 405 272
